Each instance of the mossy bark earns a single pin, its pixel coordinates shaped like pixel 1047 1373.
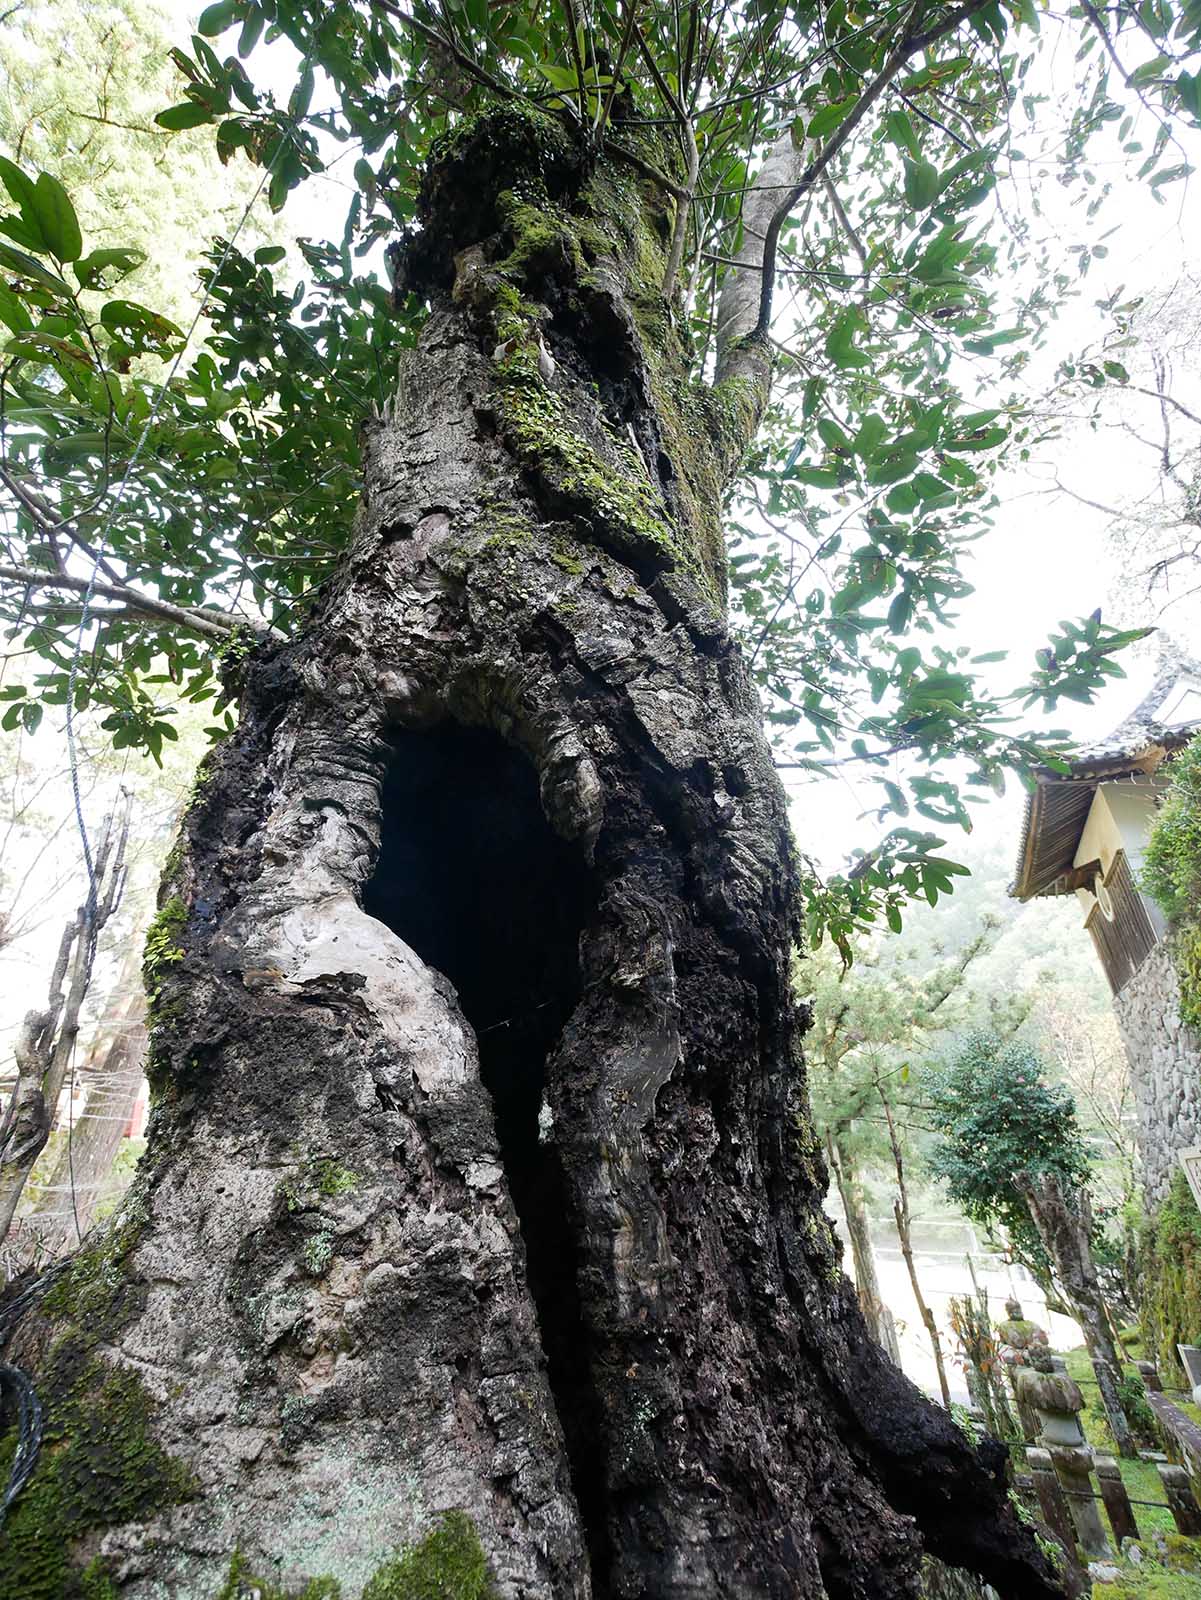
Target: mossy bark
pixel 559 1266
pixel 1170 1272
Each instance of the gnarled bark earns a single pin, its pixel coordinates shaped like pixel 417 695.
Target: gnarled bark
pixel 481 1177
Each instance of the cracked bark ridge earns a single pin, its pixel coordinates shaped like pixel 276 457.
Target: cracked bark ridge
pixel 381 1265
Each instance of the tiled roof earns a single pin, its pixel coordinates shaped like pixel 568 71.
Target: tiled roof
pixel 1059 803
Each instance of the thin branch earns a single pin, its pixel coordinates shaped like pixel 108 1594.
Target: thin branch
pixel 440 41
pixel 210 623
pixel 627 38
pixel 648 171
pixel 49 527
pixel 909 45
pixel 845 223
pixel 573 33
pixel 679 237
pixel 108 122
pixel 935 123
pixel 1164 399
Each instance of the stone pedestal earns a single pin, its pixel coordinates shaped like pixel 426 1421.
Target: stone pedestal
pixel 1117 1501
pixel 1181 1500
pixel 1074 1468
pixel 1058 1403
pixel 1149 1373
pixel 1051 1503
pixel 1020 1338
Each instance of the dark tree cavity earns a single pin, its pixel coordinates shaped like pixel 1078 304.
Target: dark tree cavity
pixel 473 878
pixel 481 1182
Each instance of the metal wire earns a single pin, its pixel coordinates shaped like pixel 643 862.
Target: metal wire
pixel 17 1384
pixel 71 1143
pixel 1084 1494
pixel 30 1418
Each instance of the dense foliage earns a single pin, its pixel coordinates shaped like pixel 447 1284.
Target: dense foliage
pixel 80 84
pixel 1172 873
pixel 148 523
pixel 1170 1272
pixel 995 1116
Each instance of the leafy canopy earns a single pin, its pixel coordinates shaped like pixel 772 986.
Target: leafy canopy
pixel 192 510
pixel 1171 873
pixel 995 1115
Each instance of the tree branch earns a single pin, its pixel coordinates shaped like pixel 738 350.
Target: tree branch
pixel 1164 400
pixel 909 45
pixel 210 623
pixel 647 170
pixel 441 42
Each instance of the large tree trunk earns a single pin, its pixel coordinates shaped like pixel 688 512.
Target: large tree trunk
pixel 481 1178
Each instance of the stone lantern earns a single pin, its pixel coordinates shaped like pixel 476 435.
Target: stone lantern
pixel 1057 1401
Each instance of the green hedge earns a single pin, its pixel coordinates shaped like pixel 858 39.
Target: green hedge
pixel 1171 1274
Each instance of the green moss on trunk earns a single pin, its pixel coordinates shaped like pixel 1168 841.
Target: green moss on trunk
pixel 448 1564
pixel 1170 1250
pixel 98 1467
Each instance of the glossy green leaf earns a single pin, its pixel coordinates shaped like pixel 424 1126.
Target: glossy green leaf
pixel 921 184
pixel 51 206
pixel 187 115
pixel 830 117
pixel 216 18
pixel 103 268
pixel 27 266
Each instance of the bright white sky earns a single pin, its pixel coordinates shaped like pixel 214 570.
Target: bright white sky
pixel 1048 556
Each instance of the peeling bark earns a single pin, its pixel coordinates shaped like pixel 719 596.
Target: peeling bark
pixel 564 1269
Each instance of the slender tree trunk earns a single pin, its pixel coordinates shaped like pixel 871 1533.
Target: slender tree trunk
pixel 1064 1222
pixel 863 1258
pixel 78 1181
pixel 900 1211
pixel 45 1046
pixel 482 1209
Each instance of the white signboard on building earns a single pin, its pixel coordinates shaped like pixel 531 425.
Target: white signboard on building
pixel 1190 1160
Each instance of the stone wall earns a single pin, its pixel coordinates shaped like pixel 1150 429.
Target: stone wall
pixel 1165 1069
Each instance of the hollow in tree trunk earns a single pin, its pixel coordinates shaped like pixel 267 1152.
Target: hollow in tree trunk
pixel 482 1213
